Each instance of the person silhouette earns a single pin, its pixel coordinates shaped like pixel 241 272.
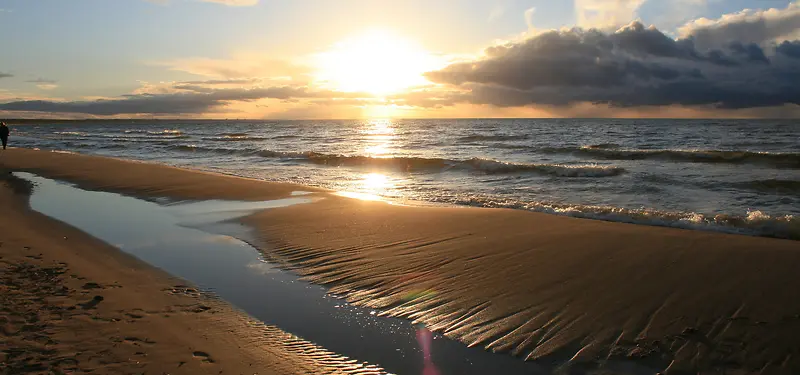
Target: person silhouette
pixel 4 131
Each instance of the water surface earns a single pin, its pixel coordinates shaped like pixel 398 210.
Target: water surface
pixel 740 176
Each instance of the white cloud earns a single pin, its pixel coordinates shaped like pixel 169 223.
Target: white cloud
pixel 529 18
pixel 606 14
pixel 747 26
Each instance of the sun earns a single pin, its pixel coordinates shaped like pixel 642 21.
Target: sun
pixel 376 62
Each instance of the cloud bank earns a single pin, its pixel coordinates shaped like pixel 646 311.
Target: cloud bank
pixel 731 63
pixel 6 75
pixel 181 99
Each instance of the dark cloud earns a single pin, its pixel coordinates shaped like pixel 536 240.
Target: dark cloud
pixel 42 81
pixel 198 100
pixel 5 75
pixel 428 98
pixel 789 49
pixel 635 66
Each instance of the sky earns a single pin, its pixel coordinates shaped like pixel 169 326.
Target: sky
pixel 300 59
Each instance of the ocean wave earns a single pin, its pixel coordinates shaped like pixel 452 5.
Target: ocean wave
pixel 78 134
pixel 487 166
pixel 234 138
pixel 603 146
pixel 144 138
pixel 509 146
pixel 778 159
pixel 492 137
pixel 771 185
pixel 754 223
pixel 158 132
pixel 560 170
pixel 421 164
pixel 220 151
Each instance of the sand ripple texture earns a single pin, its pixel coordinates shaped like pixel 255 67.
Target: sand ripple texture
pixel 556 290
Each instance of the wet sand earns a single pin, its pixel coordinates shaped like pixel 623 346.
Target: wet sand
pixel 552 289
pixel 70 303
pixel 200 242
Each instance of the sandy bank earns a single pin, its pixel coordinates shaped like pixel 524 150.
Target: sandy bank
pixel 545 287
pixel 130 177
pixel 72 304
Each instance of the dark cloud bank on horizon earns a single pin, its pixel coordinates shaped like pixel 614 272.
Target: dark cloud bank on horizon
pixel 196 99
pixel 635 66
pixel 734 63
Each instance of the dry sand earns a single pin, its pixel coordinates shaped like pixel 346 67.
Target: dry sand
pixel 548 288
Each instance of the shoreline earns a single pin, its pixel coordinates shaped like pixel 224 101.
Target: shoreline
pixel 545 287
pixel 753 222
pixel 72 303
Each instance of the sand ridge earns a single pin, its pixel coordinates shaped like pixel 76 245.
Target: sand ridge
pixel 143 179
pixel 553 289
pixel 556 289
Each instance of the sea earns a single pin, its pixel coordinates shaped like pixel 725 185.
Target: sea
pixel 733 176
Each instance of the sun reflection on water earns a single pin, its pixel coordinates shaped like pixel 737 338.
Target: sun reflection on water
pixel 375 182
pixel 378 139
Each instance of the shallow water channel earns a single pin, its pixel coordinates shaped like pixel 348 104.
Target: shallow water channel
pixel 202 243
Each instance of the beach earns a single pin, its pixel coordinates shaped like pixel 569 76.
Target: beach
pixel 556 290
pixel 73 304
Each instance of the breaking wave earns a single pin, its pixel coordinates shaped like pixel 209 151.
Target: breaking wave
pixel 754 223
pixel 159 132
pixel 234 138
pixel 421 164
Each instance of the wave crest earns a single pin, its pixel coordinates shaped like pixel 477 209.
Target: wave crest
pixel 155 132
pixel 560 170
pixel 421 164
pixel 754 223
pixel 234 138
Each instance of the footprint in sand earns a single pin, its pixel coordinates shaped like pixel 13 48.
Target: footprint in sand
pixel 137 341
pixel 200 308
pixel 92 286
pixel 92 303
pixel 203 357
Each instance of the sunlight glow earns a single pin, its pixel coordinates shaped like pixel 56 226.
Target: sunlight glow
pixel 379 136
pixel 377 62
pixel 375 182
